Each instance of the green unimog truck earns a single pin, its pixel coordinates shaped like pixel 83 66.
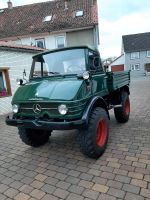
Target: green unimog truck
pixel 68 89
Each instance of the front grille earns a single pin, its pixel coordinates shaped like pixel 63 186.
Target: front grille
pixel 50 109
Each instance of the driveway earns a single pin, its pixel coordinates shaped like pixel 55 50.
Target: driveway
pixel 59 171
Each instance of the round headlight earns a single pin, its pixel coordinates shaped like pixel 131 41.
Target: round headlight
pixel 62 109
pixel 15 108
pixel 86 75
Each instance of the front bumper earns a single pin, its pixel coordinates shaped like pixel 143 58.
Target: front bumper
pixel 46 125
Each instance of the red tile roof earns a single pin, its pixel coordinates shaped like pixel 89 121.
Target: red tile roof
pixel 28 19
pixel 19 46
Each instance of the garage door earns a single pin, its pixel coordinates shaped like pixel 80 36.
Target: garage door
pixel 116 68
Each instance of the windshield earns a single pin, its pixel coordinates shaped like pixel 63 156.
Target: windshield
pixel 60 62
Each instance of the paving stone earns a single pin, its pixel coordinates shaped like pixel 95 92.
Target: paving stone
pixel 107 175
pixel 94 172
pixel 48 188
pixel 131 158
pixel 11 193
pixel 38 194
pixel 130 196
pixel 122 179
pixel 139 183
pixel 63 185
pixel 135 175
pixel 131 188
pixel 114 184
pixel 3 197
pixel 138 164
pixel 114 164
pixel 85 176
pixel 90 194
pixel 51 181
pixel 116 193
pixel 3 188
pixel 76 189
pixel 107 169
pixel 106 197
pixel 61 176
pixel 120 172
pixel 74 173
pixel 22 196
pixel 40 177
pixel 16 184
pixel 37 184
pixel 147 178
pixel 86 184
pixel 49 197
pixel 100 188
pixel 72 180
pixel 145 192
pixel 61 193
pixel 26 189
pixel 74 197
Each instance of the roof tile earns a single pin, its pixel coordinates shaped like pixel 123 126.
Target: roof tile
pixel 136 42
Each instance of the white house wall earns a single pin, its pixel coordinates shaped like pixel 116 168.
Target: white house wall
pixel 17 62
pixel 142 60
pixel 50 40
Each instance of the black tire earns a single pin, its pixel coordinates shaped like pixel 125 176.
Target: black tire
pixel 93 140
pixel 122 113
pixel 34 138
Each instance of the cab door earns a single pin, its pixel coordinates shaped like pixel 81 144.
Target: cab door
pixel 99 77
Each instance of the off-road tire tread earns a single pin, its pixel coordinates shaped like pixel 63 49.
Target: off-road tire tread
pixel 87 145
pixel 26 137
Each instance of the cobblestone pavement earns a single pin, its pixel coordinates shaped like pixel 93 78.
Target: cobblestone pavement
pixel 59 171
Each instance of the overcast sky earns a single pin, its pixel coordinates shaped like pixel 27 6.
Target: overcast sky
pixel 116 18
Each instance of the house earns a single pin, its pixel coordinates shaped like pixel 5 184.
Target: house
pixel 51 24
pixel 117 64
pixel 135 55
pixel 14 59
pixel 136 50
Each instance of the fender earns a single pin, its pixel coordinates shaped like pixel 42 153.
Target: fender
pixel 95 102
pixel 126 88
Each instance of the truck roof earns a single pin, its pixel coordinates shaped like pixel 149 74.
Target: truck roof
pixel 67 48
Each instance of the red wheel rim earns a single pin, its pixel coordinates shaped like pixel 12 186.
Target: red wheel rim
pixel 127 106
pixel 101 133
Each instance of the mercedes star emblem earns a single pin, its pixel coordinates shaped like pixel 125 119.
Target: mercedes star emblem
pixel 37 108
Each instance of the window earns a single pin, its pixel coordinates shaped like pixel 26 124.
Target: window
pixel 5 89
pixel 94 61
pixel 40 43
pixel 148 53
pixel 60 62
pixel 135 55
pixel 135 67
pixel 79 13
pixel 60 42
pixel 47 18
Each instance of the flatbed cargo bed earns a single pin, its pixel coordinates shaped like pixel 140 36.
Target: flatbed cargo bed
pixel 117 80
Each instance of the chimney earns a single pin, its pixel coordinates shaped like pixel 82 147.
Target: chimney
pixel 10 5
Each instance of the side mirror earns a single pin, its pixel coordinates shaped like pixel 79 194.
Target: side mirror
pixel 24 75
pixel 96 62
pixel 19 82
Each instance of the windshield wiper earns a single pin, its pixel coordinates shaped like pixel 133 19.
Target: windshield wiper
pixel 53 72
